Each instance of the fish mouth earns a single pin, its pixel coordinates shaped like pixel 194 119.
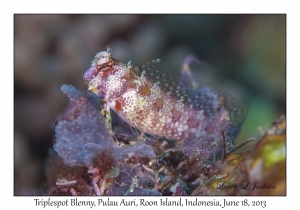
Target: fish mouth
pixel 90 74
pixel 91 80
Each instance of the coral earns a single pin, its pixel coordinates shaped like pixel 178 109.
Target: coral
pixel 81 133
pixel 90 161
pixel 83 143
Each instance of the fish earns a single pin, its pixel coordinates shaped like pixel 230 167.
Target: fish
pixel 154 101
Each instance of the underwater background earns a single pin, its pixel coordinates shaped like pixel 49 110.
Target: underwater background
pixel 244 55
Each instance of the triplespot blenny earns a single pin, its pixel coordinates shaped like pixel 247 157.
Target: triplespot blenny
pixel 149 99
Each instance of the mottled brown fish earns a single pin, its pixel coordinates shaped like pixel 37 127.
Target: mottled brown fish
pixel 152 101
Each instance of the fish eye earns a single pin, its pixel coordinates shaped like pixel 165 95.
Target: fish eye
pixel 137 70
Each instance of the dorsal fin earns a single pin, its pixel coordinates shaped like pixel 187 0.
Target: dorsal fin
pixel 187 78
pixel 186 88
pixel 165 78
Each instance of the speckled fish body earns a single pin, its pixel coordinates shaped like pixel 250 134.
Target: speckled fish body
pixel 150 100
